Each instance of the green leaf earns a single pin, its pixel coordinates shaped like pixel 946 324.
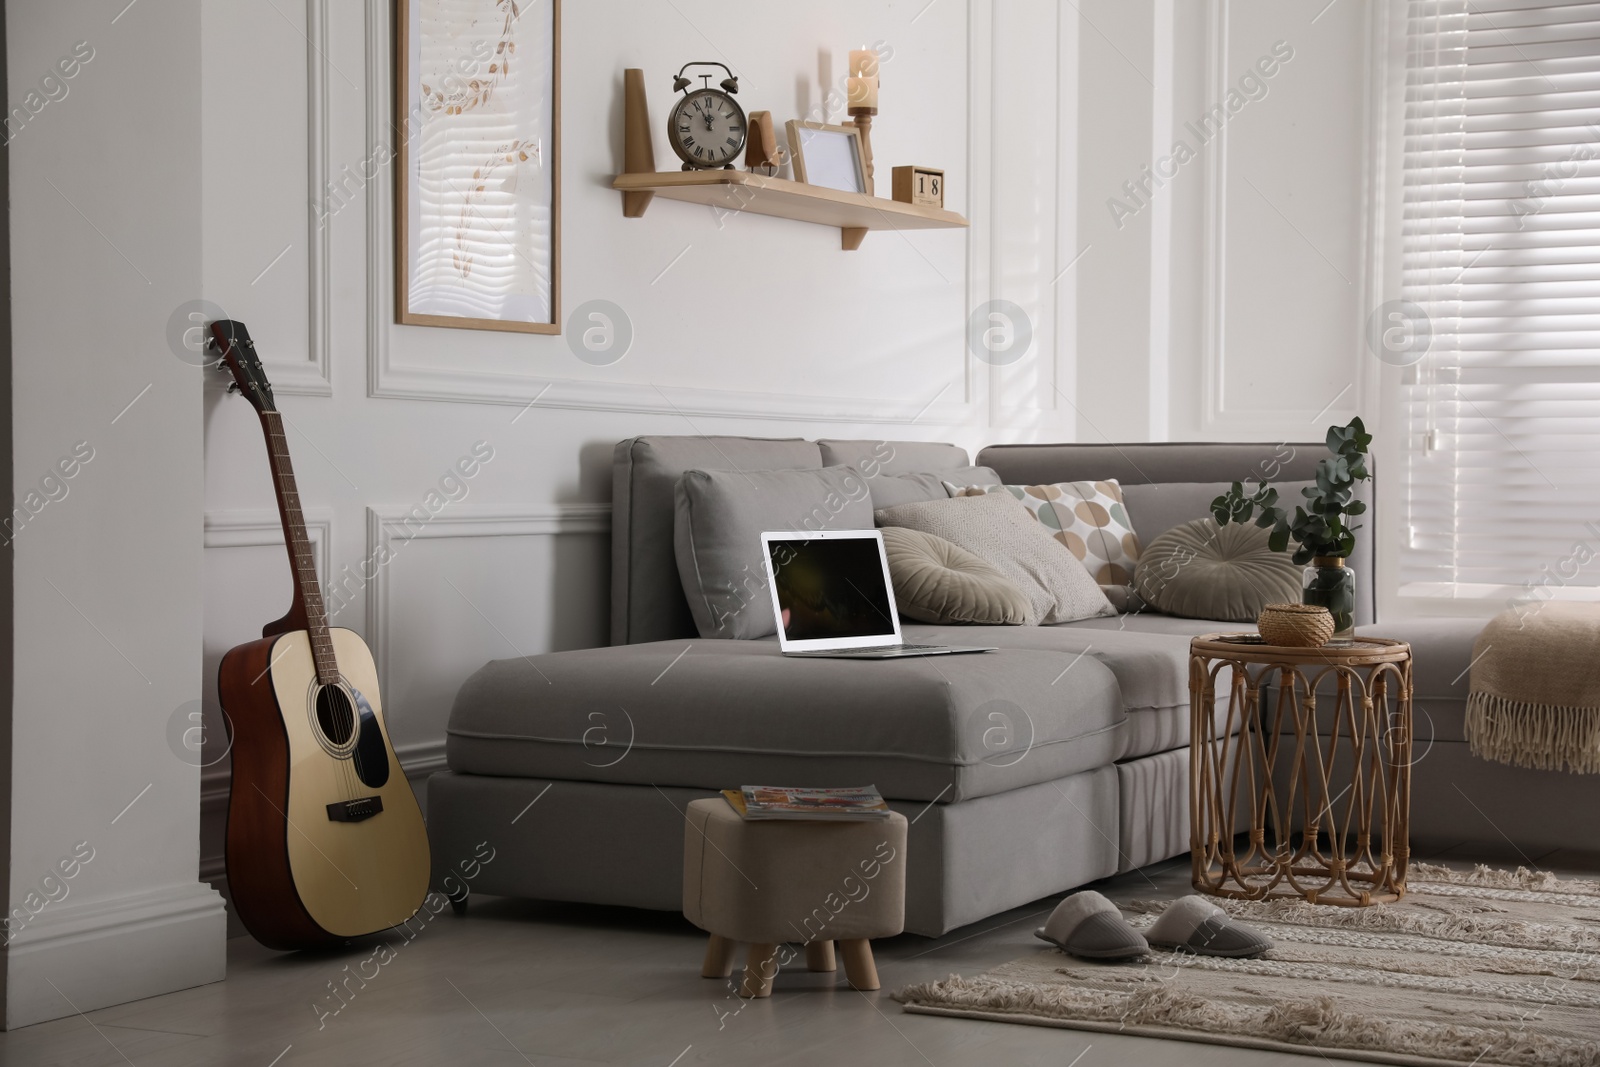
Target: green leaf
pixel 1278 539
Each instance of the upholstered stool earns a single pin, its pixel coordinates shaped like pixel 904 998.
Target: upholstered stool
pixel 771 882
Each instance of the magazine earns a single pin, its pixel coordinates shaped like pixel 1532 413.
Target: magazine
pixel 756 802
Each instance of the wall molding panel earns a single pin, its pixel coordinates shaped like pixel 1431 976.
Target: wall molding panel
pixel 1214 296
pixel 263 529
pixel 1221 414
pixel 387 528
pixel 313 375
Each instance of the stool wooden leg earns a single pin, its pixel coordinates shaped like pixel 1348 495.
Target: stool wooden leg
pixel 819 956
pixel 719 957
pixel 760 967
pixel 858 965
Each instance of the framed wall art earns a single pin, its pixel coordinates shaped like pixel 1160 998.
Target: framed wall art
pixel 477 168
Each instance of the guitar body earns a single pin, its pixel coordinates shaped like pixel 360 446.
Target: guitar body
pixel 300 877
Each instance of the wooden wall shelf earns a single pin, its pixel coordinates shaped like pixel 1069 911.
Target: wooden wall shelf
pixel 736 190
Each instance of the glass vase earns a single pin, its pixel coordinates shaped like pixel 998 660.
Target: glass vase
pixel 1328 583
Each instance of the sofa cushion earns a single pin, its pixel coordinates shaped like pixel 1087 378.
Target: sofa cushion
pixel 720 714
pixel 997 528
pixel 720 518
pixel 936 581
pixel 873 458
pixel 1149 660
pixel 1200 570
pixel 890 490
pixel 1087 517
pixel 647 601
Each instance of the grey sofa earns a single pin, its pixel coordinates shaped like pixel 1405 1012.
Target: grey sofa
pixel 1060 759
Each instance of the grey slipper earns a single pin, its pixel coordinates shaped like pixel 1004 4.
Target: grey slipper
pixel 1195 924
pixel 1088 925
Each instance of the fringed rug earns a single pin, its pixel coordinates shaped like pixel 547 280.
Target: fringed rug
pixel 1483 967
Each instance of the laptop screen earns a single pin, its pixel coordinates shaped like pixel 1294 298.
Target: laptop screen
pixel 831 588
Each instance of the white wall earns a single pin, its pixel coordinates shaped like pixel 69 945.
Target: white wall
pixel 810 340
pixel 1226 309
pixel 104 243
pixel 1228 305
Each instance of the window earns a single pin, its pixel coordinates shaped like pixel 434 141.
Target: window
pixel 1501 254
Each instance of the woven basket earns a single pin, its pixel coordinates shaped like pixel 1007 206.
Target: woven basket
pixel 1295 625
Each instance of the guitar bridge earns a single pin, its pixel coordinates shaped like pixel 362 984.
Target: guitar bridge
pixel 355 810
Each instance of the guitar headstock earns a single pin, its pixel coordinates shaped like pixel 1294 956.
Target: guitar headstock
pixel 231 341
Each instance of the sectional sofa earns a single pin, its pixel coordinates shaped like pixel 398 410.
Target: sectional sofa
pixel 1060 759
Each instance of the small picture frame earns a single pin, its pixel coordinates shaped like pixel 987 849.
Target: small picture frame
pixel 827 156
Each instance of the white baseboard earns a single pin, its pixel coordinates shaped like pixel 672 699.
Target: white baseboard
pixel 103 952
pixel 421 758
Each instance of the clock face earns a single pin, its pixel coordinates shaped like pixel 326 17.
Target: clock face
pixel 707 129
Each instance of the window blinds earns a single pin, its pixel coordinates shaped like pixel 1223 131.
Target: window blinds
pixel 1501 251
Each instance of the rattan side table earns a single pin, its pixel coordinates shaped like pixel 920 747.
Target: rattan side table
pixel 1327 811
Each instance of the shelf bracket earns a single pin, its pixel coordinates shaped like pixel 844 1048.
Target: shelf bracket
pixel 850 237
pixel 638 151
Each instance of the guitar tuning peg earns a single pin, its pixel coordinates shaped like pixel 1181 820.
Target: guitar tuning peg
pixel 233 387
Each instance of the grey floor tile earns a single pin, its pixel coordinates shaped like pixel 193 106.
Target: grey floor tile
pixel 517 981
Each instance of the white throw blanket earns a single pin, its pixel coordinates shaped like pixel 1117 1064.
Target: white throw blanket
pixel 1535 689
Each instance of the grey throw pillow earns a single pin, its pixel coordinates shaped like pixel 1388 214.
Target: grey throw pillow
pixel 939 582
pixel 719 519
pixel 891 490
pixel 996 528
pixel 1199 570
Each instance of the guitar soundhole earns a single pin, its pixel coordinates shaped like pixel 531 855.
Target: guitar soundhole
pixel 335 716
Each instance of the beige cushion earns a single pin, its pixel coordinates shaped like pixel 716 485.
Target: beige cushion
pixel 1200 570
pixel 938 582
pixel 776 881
pixel 996 528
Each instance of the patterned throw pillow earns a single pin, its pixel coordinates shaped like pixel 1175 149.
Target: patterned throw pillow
pixel 1088 517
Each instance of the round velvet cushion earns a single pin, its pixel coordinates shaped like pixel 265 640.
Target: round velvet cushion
pixel 940 582
pixel 1200 570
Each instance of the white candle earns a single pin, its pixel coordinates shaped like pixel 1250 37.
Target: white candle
pixel 862 92
pixel 864 63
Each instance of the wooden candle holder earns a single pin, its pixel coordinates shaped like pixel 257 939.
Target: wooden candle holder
pixel 861 118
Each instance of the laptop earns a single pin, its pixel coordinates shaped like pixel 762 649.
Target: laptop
pixel 832 597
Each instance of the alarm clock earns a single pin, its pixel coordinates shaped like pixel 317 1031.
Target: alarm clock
pixel 707 127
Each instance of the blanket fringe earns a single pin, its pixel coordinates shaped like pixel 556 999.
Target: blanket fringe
pixel 1536 736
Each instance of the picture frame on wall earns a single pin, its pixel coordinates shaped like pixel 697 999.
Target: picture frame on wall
pixel 477 223
pixel 827 156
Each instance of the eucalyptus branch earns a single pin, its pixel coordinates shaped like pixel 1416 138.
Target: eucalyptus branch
pixel 1317 526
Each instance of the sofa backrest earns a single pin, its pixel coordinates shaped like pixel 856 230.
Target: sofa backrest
pixel 1168 483
pixel 647 600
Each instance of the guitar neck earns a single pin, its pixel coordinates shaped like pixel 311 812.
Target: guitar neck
pixel 307 592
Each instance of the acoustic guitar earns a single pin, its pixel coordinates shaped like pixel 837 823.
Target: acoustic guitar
pixel 325 839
